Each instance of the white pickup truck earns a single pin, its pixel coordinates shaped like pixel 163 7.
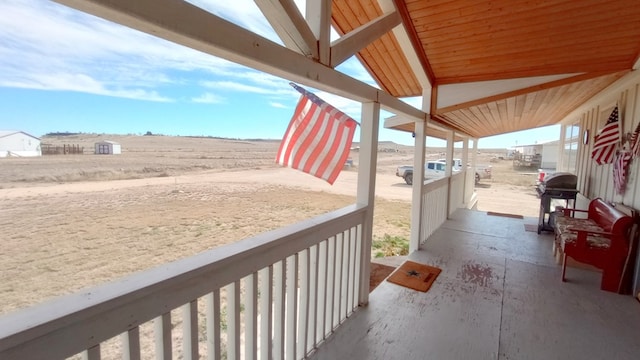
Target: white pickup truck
pixel 432 169
pixel 437 168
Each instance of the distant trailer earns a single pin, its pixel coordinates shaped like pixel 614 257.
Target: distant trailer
pixel 108 148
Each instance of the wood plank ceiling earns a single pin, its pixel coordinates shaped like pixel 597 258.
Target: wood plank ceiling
pixel 581 47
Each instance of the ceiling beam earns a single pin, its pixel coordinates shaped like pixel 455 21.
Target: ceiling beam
pixel 349 44
pixel 526 90
pixel 408 50
pixel 186 24
pixel 318 15
pixel 292 28
pixel 401 7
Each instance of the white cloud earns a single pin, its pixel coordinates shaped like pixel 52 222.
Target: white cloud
pixel 235 86
pixel 278 105
pixel 208 98
pixel 41 40
pixel 47 46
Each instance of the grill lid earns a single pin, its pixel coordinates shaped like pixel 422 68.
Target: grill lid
pixel 561 180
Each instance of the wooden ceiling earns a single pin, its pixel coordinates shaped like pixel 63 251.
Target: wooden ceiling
pixel 559 53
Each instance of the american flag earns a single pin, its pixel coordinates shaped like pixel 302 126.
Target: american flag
pixel 607 140
pixel 620 167
pixel 635 142
pixel 318 138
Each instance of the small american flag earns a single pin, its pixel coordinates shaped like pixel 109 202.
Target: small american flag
pixel 620 167
pixel 607 140
pixel 318 138
pixel 635 142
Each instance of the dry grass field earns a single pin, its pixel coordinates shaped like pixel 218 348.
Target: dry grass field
pixel 73 221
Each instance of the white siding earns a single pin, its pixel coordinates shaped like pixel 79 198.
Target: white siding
pixel 19 144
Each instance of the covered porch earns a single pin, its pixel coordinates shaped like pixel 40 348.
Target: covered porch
pixel 499 296
pixel 302 290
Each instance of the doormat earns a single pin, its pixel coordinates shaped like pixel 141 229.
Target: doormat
pixel 379 272
pixel 531 227
pixel 505 215
pixel 415 276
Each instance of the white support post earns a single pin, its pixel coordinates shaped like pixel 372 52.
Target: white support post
pixel 560 166
pixel 370 122
pixel 418 185
pixel 468 172
pixel 449 157
pixel 474 154
pixel 449 168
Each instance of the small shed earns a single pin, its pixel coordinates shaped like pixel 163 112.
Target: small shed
pixel 108 148
pixel 19 143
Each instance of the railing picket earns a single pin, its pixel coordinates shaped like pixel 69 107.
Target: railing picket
pixel 233 320
pixel 251 317
pixel 291 306
pixel 266 313
pixel 303 306
pixel 344 293
pixel 337 285
pixel 313 297
pixel 131 344
pixel 163 336
pixel 357 283
pixel 213 325
pixel 331 266
pixel 322 290
pixel 353 288
pixel 190 330
pixel 279 274
pixel 92 353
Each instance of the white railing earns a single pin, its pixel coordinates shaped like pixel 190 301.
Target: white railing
pixel 456 191
pixel 435 195
pixel 274 296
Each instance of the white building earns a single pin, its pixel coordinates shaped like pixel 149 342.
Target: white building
pixel 19 143
pixel 546 152
pixel 107 148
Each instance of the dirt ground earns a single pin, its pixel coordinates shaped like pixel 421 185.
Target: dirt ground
pixel 73 221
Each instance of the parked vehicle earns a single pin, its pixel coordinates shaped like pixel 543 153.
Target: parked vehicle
pixel 482 171
pixel 437 168
pixel 457 163
pixel 432 169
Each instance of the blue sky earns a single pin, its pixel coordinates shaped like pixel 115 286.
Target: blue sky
pixel 62 70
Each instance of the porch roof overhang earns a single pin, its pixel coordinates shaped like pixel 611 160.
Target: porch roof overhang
pixel 500 66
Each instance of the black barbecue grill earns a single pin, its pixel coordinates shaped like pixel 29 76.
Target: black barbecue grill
pixel 557 186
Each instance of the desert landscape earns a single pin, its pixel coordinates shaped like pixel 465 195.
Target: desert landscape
pixel 73 221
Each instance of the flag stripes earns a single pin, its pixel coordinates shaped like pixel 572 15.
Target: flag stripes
pixel 635 142
pixel 620 167
pixel 607 140
pixel 318 138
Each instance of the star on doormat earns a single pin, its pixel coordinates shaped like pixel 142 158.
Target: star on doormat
pixel 415 276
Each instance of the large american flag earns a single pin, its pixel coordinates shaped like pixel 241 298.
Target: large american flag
pixel 607 140
pixel 318 138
